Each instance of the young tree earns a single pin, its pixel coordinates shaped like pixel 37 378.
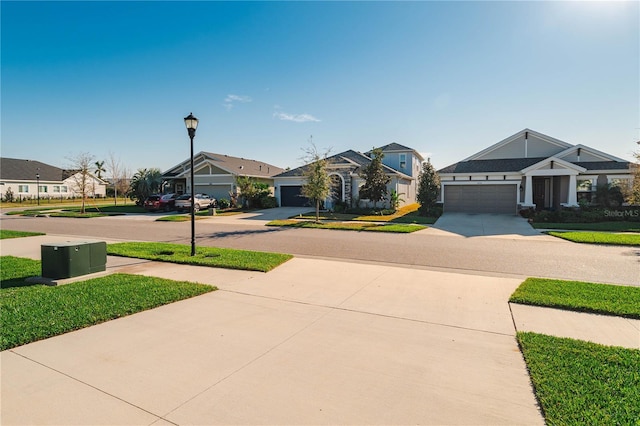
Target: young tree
pixel 318 185
pixel 428 188
pixel 246 186
pixel 375 179
pixel 82 177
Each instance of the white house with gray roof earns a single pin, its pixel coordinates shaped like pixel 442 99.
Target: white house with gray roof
pixel 401 164
pixel 529 170
pixel 23 177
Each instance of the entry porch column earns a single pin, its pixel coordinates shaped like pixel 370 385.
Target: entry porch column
pixel 528 191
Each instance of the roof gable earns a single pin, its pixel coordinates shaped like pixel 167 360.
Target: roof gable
pixel 551 162
pixel 524 144
pixel 582 153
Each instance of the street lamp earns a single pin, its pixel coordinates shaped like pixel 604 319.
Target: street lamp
pixel 38 186
pixel 192 123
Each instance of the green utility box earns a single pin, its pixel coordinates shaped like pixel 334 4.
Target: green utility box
pixel 73 258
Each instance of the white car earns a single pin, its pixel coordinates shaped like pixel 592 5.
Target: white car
pixel 201 201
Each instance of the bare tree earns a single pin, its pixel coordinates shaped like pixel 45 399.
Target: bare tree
pixel 80 171
pixel 115 167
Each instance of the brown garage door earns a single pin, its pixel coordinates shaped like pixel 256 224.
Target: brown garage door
pixel 480 198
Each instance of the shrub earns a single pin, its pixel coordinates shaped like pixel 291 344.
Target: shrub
pixel 224 203
pixel 268 202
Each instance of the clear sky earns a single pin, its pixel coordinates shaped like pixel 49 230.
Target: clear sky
pixel 445 78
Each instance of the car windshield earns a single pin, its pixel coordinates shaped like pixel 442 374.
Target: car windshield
pixel 167 197
pixel 184 197
pixel 153 198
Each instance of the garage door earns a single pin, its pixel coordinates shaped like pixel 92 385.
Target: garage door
pixel 215 191
pixel 291 196
pixel 480 198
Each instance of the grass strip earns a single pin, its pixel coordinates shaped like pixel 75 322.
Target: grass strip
pixel 77 214
pixel 621 226
pixel 205 256
pixel 579 382
pixel 32 313
pixel 349 226
pixel 598 238
pixel 580 296
pixel 6 233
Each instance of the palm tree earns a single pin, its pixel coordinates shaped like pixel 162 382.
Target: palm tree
pixel 144 183
pixel 99 168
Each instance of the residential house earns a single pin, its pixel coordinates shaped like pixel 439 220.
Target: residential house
pixel 215 174
pixel 29 179
pixel 400 163
pixel 529 170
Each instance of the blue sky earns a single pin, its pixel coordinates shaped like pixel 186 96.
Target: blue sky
pixel 445 78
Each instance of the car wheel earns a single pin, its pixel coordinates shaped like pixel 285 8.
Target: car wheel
pixel 196 208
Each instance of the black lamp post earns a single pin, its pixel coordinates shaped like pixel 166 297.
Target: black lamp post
pixel 38 186
pixel 192 123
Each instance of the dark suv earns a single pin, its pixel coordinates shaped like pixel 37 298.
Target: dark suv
pixel 158 202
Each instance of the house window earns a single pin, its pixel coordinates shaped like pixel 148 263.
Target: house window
pixel 23 188
pixel 403 161
pixel 56 188
pixel 63 189
pixel 44 188
pixel 585 190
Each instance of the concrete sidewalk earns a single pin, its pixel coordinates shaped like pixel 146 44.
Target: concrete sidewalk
pixel 311 342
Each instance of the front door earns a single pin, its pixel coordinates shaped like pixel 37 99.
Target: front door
pixel 539 192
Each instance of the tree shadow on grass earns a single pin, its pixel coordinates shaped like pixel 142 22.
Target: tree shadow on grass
pixel 243 233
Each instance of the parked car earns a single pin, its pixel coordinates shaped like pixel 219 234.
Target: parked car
pixel 201 201
pixel 158 202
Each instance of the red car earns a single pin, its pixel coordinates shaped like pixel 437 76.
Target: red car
pixel 161 202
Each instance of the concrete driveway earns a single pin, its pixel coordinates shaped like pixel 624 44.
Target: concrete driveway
pixel 478 225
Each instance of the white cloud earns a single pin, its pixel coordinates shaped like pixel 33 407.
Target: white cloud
pixel 298 118
pixel 231 99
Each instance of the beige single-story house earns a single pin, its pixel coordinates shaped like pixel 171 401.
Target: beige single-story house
pixel 29 179
pixel 401 164
pixel 529 170
pixel 215 174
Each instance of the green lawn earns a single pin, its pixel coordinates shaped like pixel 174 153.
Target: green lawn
pixel 621 226
pixel 349 226
pixel 598 237
pixel 33 312
pixel 6 233
pixel 583 383
pixel 579 296
pixel 14 270
pixel 205 256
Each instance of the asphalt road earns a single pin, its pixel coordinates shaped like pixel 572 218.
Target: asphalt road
pixel 546 257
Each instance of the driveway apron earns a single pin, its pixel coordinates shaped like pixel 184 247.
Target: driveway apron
pixel 482 225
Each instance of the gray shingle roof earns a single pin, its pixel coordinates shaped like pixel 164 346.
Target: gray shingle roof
pixel 603 165
pixel 18 169
pixel 517 164
pixel 394 147
pixel 350 157
pixel 235 165
pixel 487 166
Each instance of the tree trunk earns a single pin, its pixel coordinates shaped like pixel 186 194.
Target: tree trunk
pixel 317 210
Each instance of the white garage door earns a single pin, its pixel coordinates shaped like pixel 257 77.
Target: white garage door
pixel 480 198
